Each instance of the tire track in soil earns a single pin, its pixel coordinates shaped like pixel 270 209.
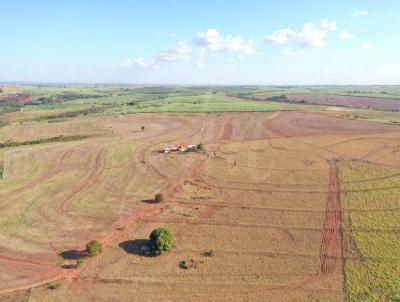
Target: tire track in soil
pixel 87 183
pixel 142 213
pixel 331 253
pixel 46 175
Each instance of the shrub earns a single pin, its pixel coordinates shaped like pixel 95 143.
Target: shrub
pixel 54 285
pixel 187 264
pixel 160 241
pixel 79 262
pixel 94 247
pixel 159 197
pixel 142 128
pixel 210 253
pixel 201 147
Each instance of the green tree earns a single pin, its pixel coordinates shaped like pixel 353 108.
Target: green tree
pixel 159 197
pixel 94 248
pixel 160 241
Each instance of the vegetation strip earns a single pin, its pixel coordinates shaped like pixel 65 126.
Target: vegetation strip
pixel 1 164
pixel 59 138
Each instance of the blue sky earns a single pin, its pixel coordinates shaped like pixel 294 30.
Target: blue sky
pixel 207 42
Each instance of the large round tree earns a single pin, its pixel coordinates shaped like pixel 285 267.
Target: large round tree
pixel 160 241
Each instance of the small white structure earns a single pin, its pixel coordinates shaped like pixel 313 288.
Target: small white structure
pixel 169 149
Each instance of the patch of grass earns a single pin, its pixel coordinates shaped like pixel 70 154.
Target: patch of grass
pixel 197 103
pixel 79 262
pixel 188 264
pixel 54 285
pixel 371 224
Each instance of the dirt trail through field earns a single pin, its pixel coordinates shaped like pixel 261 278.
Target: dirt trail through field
pixel 86 184
pixel 331 241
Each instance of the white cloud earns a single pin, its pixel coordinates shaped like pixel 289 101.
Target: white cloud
pixel 170 55
pixel 310 35
pixel 360 13
pixel 331 26
pixel 200 62
pixel 215 42
pixel 288 52
pixel 181 52
pixel 365 46
pixel 282 36
pixel 345 35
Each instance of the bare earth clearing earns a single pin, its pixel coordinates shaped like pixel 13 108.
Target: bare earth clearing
pixel 344 100
pixel 266 197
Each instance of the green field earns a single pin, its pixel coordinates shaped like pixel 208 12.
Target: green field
pixel 52 103
pixel 371 223
pixel 64 101
pixel 392 92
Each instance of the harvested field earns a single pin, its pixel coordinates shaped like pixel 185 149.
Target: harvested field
pixel 270 196
pixel 347 101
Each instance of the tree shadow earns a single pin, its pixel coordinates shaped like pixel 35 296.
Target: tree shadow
pixel 73 254
pixel 149 201
pixel 134 247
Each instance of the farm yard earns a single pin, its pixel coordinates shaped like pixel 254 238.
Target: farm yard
pixel 286 202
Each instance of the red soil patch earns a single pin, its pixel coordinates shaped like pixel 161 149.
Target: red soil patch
pixel 22 99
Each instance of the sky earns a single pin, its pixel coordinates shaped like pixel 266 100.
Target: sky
pixel 222 42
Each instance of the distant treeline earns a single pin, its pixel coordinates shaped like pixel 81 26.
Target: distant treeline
pixel 65 97
pixel 274 98
pixel 59 138
pixel 7 107
pixel 75 113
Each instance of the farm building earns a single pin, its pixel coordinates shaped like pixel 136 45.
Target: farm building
pixel 181 148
